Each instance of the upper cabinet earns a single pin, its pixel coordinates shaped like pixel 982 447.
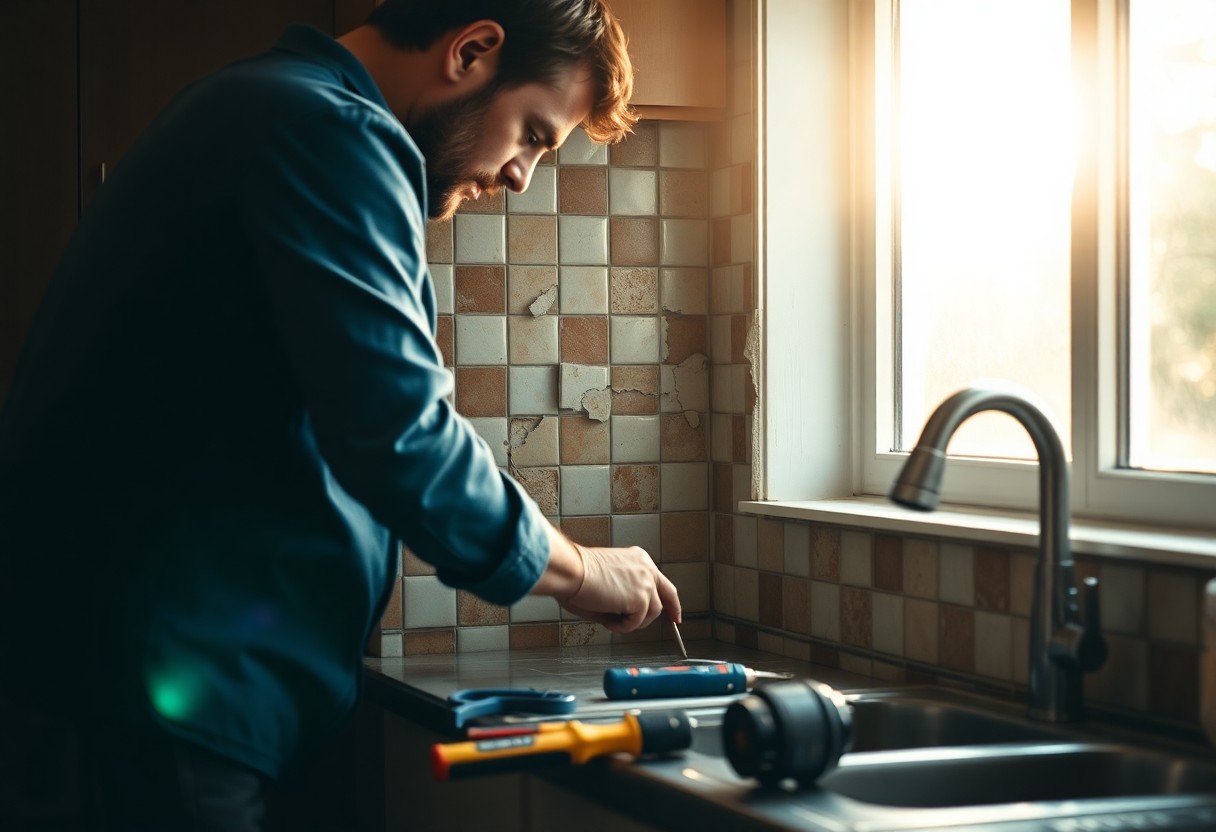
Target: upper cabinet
pixel 678 48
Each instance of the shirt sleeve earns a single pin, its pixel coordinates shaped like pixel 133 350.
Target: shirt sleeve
pixel 334 207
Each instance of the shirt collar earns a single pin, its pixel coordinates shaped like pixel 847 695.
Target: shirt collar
pixel 313 43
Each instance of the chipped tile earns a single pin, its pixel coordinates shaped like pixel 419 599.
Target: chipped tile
pixel 633 290
pixel 534 441
pixel 577 380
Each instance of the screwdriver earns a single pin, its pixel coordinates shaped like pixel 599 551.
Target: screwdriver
pixel 518 747
pixel 714 679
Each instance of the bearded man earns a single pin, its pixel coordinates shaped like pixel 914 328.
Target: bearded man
pixel 231 411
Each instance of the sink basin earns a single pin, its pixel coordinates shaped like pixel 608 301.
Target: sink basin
pixel 891 723
pixel 1014 774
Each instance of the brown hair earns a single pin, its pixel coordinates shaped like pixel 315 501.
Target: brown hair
pixel 543 37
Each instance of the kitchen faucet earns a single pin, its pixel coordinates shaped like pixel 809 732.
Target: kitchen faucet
pixel 1062 648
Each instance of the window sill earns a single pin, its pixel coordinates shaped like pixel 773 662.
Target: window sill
pixel 1180 547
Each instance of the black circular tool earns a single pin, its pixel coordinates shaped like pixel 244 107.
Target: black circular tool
pixel 796 730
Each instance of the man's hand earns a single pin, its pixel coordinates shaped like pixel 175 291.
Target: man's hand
pixel 622 589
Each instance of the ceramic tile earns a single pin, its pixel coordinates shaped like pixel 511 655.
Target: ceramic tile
pixel 578 149
pixel 746 553
pixel 747 594
pixel 920 568
pixel 1122 590
pixel 1123 681
pixel 724 589
pixel 1021 589
pixel 494 431
pixel 635 390
pixel 797 549
pixel 532 340
pixel 429 642
pixel 956 571
pixel 541 195
pixel 481 238
pixel 683 337
pixel 956 637
pixel 584 290
pixel 534 440
pixel 825 611
pixel 741 238
pixel 386 645
pixel 428 603
pixel 472 611
pixel 721 436
pixel 991 570
pixel 632 192
pixel 683 437
pixel 481 391
pixel 531 290
pixel 1173 607
pixel 584 339
pixel 481 339
pixel 582 190
pixel 411 564
pixel 685 536
pixel 634 340
pixel 531 239
pixel 920 630
pixel 445 338
pixel 685 291
pixel 684 243
pixel 443 279
pixel 770 599
pixel 635 488
pixel 682 145
pixel 825 553
pixel 719 192
pixel 542 485
pixel 633 291
pixel 855 558
pixel 741 140
pixel 796 604
pixel 576 382
pixel 534 636
pixel 888 563
pixel 739 328
pixel 685 386
pixel 482 639
pixel 692 579
pixel 719 241
pixel 583 241
pixel 480 289
pixel 740 438
pixel 586 489
pixel 683 193
pixel 684 486
pixel 439 245
pixel 485 204
pixel 742 484
pixel 642 530
pixel 589 531
pixel 722 485
pixel 533 390
pixel 771 540
pixel 993 645
pixel 639 149
pixel 887 623
pixel 532 608
pixel 392 618
pixel 856 616
pixel 584 634
pixel 635 439
pixel 633 241
pixel 720 339
pixel 584 441
pixel 1173 687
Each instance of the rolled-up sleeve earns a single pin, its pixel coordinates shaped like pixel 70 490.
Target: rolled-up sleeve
pixel 334 208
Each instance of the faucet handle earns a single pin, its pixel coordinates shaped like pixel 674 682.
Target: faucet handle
pixel 1091 650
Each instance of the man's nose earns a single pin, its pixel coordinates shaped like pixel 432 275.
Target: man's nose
pixel 518 173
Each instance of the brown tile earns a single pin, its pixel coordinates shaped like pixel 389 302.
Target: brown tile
pixel 541 485
pixel 724 538
pixel 640 149
pixel 633 242
pixel 529 285
pixel 771 544
pixel 921 630
pixel 635 488
pixel 825 553
pixel 723 487
pixel 532 636
pixel 579 634
pixel 991 579
pixel 582 190
pixel 719 242
pixel 588 531
pixel 740 439
pixel 583 339
pixel 770 599
pixel 1173 688
pixel 739 326
pixel 684 536
pixel 747 636
pixel 481 289
pixel 681 441
pixel 888 563
pixel 956 637
pixel 430 642
pixel 412 565
pixel 635 390
pixel 495 204
pixel 633 291
pixel 445 337
pixel 393 618
pixel 856 616
pixel 584 441
pixel 650 633
pixel 472 611
pixel 795 604
pixel 439 245
pixel 683 193
pixel 481 391
pixel 687 335
pixel 531 239
pixel 824 656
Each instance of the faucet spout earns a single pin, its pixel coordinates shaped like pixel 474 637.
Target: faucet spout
pixel 1062 648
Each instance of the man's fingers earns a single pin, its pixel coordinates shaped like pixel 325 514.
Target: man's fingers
pixel 669 597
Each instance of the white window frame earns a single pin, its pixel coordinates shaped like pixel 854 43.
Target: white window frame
pixel 825 292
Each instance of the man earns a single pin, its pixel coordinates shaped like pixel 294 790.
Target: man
pixel 231 407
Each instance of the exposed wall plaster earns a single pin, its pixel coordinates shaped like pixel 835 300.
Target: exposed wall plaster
pixel 544 301
pixel 686 385
pixel 754 353
pixel 585 387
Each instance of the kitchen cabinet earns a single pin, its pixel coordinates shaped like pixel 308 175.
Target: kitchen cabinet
pixel 678 48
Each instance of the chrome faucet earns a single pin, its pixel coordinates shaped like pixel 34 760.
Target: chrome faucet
pixel 1062 648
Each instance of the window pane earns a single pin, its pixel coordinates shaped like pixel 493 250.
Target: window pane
pixel 985 142
pixel 1172 247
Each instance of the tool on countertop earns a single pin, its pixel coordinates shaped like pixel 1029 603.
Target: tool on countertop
pixel 474 702
pixel 512 748
pixel 717 679
pixel 679 641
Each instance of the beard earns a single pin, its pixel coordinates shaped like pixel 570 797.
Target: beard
pixel 447 135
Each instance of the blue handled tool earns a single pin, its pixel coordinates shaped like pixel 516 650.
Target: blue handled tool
pixel 715 679
pixel 474 702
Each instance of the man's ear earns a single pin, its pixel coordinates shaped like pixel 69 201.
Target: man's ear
pixel 472 54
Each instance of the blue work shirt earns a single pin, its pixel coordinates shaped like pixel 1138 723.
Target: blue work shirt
pixel 230 409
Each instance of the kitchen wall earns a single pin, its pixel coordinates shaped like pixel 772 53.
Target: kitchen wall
pixel 602 331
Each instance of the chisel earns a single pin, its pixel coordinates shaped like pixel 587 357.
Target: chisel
pixel 521 747
pixel 716 679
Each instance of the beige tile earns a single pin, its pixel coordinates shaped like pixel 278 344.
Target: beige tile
pixel 632 192
pixel 635 390
pixel 856 616
pixel 888 563
pixel 633 241
pixel 534 441
pixel 772 544
pixel 584 634
pixel 825 553
pixel 856 558
pixel 825 610
pixel 430 642
pixel 532 239
pixel 993 645
pixel 495 204
pixel 796 604
pixel 584 441
pixel 532 340
pixel 747 594
pixel 582 190
pixel 439 247
pixel 920 630
pixel 683 193
pixel 1021 582
pixel 920 568
pixel 956 574
pixel 682 437
pixel 541 485
pixel 528 289
pixel 685 536
pixel 639 149
pixel 887 625
pixel 1123 680
pixel 411 564
pixel 770 599
pixel 686 336
pixel 393 618
pixel 534 636
pixel 633 291
pixel 472 611
pixel 635 488
pixel 480 289
pixel 583 339
pixel 481 391
pixel 589 531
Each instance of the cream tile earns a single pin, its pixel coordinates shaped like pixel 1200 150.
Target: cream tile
pixel 635 439
pixel 920 630
pixel 582 241
pixel 577 380
pixel 531 290
pixel 482 639
pixel 685 291
pixel 634 340
pixel 746 553
pixel 442 277
pixel 797 549
pixel 638 530
pixel 994 645
pixel 428 603
pixel 856 566
pixel 586 489
pixel 532 390
pixel 682 145
pixel 685 386
pixel 534 440
pixel 481 339
pixel 632 192
pixel 481 238
pixel 825 610
pixel 533 340
pixel 580 150
pixel 920 568
pixel 493 430
pixel 684 242
pixel 684 486
pixel 532 608
pixel 541 196
pixel 584 290
pixel 887 627
pixel 956 574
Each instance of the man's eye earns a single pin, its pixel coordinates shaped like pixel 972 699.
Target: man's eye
pixel 533 139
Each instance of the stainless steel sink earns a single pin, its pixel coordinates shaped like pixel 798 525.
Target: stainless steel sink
pixel 888 723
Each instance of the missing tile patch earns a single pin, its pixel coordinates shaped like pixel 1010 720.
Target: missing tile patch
pixel 585 387
pixel 598 404
pixel 686 385
pixel 522 428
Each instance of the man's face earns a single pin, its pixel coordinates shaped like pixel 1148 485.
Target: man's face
pixel 494 137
